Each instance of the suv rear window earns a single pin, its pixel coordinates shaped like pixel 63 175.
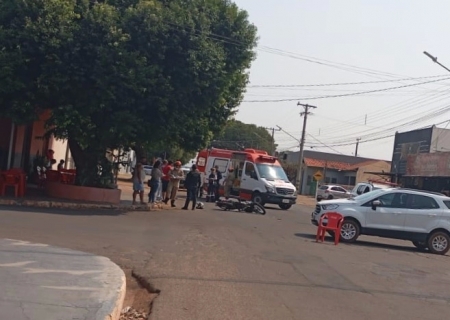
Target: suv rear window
pixel 447 203
pixel 323 187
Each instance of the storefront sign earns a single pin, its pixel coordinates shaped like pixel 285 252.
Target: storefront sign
pixel 429 165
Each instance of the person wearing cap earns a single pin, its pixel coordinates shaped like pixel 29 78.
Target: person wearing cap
pixel 192 183
pixel 229 181
pixel 167 166
pixel 176 175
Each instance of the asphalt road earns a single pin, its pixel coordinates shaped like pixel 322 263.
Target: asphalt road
pixel 212 264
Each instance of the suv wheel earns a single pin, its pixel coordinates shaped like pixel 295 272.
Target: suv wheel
pixel 439 242
pixel 349 231
pixel 420 245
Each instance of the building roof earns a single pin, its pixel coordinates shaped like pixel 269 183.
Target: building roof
pixel 324 163
pixel 366 163
pixel 331 160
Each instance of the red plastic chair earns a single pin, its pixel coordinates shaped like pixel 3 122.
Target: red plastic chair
pixel 11 180
pixel 334 223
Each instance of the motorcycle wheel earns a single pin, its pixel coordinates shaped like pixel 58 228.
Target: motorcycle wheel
pixel 259 209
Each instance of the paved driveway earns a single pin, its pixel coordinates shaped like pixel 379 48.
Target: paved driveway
pixel 212 264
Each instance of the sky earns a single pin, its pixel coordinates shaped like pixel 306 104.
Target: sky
pixel 306 43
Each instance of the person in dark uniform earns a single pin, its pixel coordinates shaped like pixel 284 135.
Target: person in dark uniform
pixel 192 183
pixel 212 178
pixel 218 180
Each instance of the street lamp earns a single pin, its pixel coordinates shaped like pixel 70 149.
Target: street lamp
pixel 434 59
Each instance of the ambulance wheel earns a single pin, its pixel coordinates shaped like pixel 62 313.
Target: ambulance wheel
pixel 258 198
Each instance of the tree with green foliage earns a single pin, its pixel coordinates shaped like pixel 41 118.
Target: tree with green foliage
pixel 124 73
pixel 238 135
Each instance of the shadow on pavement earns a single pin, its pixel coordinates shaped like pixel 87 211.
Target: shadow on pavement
pixel 385 246
pixel 363 243
pixel 306 235
pixel 67 212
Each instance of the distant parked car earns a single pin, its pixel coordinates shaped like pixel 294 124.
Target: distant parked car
pixel 328 192
pixel 185 171
pixel 364 187
pixel 147 169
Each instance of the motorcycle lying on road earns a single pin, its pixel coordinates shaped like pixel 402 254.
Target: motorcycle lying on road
pixel 240 205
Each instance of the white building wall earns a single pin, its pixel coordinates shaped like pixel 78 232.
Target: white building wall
pixel 440 140
pixel 62 153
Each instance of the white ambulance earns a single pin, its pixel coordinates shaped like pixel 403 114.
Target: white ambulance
pixel 258 176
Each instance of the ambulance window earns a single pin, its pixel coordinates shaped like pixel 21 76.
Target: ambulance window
pixel 201 162
pixel 221 163
pixel 250 169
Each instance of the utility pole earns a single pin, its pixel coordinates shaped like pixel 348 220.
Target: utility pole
pixel 435 60
pixel 357 145
pixel 303 114
pixel 273 138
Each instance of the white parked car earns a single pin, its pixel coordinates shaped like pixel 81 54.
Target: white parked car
pixel 329 192
pixel 419 216
pixel 364 187
pixel 147 169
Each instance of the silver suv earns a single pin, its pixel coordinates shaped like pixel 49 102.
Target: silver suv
pixel 419 216
pixel 332 192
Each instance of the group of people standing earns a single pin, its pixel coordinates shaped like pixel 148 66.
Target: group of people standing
pixel 164 181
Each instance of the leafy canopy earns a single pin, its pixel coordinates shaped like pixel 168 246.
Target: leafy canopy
pixel 239 135
pixel 123 73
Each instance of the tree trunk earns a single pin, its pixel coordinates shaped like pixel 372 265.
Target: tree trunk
pixel 140 154
pixel 86 163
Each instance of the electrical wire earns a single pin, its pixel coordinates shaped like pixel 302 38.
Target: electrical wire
pixel 267 49
pixel 444 131
pixel 365 139
pixel 374 131
pixel 325 145
pixel 347 94
pixel 340 83
pixel 382 134
pixel 382 113
pixel 389 112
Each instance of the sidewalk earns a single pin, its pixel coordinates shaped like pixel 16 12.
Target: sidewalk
pixel 40 282
pixel 308 201
pixel 36 198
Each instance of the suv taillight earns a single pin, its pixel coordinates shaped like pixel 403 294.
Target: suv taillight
pixel 326 191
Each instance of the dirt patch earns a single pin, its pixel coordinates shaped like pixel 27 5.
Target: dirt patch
pixel 139 297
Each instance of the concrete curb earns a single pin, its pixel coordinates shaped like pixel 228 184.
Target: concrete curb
pixel 118 306
pixel 73 205
pixel 113 309
pixel 74 284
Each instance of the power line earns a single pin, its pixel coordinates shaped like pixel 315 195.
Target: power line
pixel 338 83
pixel 325 145
pixel 405 105
pixel 375 130
pixel 378 138
pixel 396 126
pixel 267 49
pixel 348 94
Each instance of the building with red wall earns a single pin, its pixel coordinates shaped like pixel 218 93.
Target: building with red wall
pixel 19 144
